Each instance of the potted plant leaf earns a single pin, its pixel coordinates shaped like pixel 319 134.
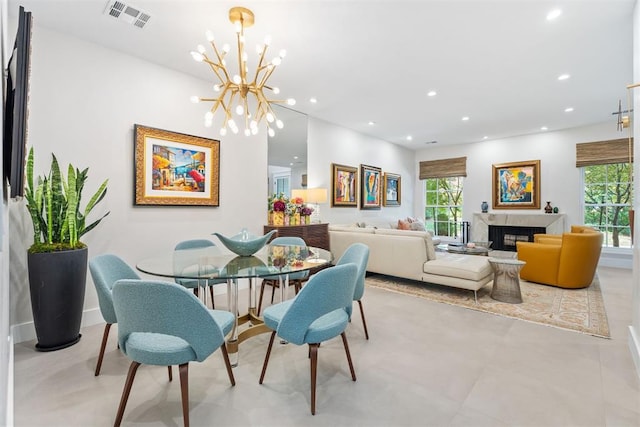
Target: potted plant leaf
pixel 57 260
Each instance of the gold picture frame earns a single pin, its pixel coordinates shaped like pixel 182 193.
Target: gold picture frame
pixel 175 169
pixel 370 187
pixel 344 186
pixel 392 192
pixel 516 185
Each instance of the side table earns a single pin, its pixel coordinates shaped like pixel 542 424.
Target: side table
pixel 506 279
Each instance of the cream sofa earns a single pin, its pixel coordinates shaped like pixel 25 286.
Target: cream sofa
pixel 412 255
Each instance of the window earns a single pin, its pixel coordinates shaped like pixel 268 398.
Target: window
pixel 607 200
pixel 281 184
pixel 443 205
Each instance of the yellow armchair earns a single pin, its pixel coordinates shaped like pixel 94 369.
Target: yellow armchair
pixel 566 261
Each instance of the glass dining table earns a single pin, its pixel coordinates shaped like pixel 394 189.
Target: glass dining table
pixel 215 265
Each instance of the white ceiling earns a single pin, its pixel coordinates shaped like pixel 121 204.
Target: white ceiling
pixel 496 62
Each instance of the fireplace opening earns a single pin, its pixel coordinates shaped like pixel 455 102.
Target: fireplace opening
pixel 504 237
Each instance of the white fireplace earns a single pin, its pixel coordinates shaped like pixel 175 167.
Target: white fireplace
pixel 553 223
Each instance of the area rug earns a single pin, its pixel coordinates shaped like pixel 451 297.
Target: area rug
pixel 580 310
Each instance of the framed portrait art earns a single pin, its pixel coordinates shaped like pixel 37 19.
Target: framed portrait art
pixel 344 186
pixel 516 185
pixel 391 195
pixel 370 191
pixel 174 169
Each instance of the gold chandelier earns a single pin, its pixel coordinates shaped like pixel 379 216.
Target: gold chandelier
pixel 235 91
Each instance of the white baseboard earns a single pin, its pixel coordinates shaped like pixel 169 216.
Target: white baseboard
pixel 9 415
pixel 634 347
pixel 27 331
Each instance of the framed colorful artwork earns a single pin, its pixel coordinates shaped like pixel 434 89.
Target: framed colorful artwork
pixel 370 183
pixel 344 186
pixel 391 195
pixel 516 185
pixel 174 169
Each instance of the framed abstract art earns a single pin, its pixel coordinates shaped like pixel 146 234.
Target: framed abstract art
pixel 174 169
pixel 391 195
pixel 370 183
pixel 516 185
pixel 344 186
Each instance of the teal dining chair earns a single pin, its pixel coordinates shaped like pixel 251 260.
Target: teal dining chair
pixel 106 270
pixel 162 323
pixel 357 253
pixel 316 314
pixel 296 279
pixel 194 283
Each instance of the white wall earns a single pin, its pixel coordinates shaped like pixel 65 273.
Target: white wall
pixel 328 143
pixel 84 101
pixel 6 346
pixel 559 177
pixel 634 328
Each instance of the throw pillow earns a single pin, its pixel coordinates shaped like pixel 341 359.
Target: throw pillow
pixel 403 225
pixel 417 226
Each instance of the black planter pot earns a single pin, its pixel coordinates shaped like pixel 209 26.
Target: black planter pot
pixel 57 282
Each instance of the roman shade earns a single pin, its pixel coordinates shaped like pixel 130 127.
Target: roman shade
pixel 604 152
pixel 445 168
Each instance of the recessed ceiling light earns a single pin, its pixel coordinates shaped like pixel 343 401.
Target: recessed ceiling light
pixel 568 109
pixel 295 157
pixel 290 164
pixel 409 138
pixel 544 128
pixel 563 76
pixel 432 93
pixel 372 123
pixel 313 100
pixel 485 137
pixel 554 14
pixel 465 118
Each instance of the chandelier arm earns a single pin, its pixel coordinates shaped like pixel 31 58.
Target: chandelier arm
pixel 220 63
pixel 241 67
pixel 266 76
pixel 260 67
pixel 214 67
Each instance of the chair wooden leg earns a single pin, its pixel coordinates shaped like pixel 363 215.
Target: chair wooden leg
pixel 184 388
pixel 170 373
pixel 346 349
pixel 266 359
pixel 105 337
pixel 260 299
pixel 364 322
pixel 213 304
pixel 313 350
pixel 125 393
pixel 225 356
pixel 273 292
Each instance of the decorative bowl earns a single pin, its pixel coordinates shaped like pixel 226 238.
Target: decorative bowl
pixel 245 243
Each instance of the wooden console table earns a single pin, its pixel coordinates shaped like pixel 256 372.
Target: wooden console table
pixel 316 235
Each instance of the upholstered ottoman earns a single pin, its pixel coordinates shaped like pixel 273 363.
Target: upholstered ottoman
pixel 459 271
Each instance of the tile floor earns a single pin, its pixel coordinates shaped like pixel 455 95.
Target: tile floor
pixel 425 364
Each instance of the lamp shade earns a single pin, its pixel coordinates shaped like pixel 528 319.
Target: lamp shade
pixel 299 192
pixel 316 195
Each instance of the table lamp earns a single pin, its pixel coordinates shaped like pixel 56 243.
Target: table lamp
pixel 316 196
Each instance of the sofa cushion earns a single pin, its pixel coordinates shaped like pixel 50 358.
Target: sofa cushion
pixel 426 235
pixel 351 229
pixel 470 267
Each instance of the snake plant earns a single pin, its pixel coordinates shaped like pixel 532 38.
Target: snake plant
pixel 53 202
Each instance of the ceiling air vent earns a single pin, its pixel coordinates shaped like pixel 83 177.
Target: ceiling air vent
pixel 127 13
